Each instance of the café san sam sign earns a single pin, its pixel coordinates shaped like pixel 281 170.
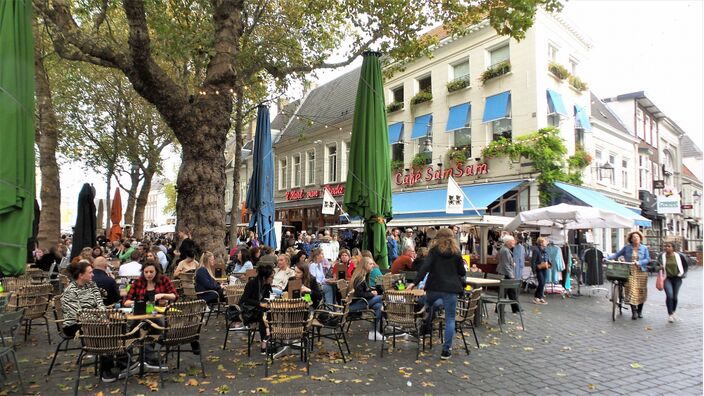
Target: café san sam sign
pixel 429 173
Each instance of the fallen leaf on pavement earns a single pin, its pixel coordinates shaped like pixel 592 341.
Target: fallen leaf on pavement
pixel 528 349
pixel 192 382
pixel 636 365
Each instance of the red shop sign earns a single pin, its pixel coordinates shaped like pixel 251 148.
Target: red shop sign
pixel 429 173
pixel 295 195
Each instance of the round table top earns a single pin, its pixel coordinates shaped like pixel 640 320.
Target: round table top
pixel 482 281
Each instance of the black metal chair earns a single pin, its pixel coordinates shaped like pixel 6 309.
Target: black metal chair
pixel 233 314
pixel 502 300
pixel 9 323
pixel 65 340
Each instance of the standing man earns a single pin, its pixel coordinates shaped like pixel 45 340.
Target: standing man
pixel 392 243
pixel 408 240
pixel 507 267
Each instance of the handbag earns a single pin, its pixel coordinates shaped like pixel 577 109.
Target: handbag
pixel 660 281
pixel 543 265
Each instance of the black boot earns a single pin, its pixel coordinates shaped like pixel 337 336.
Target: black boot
pixel 640 310
pixel 634 312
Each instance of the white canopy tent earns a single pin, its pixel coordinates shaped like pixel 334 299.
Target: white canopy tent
pixel 435 221
pixel 571 217
pixel 163 229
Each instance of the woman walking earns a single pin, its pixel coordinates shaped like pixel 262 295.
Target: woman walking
pixel 540 264
pixel 446 272
pixel 636 288
pixel 675 266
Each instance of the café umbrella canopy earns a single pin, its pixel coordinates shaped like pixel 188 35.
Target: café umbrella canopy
pixel 571 217
pixel 260 194
pixel 115 217
pixel 17 191
pixel 368 189
pixel 84 230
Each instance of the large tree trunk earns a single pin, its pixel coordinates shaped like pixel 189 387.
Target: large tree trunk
pixel 142 199
pixel 236 208
pixel 132 195
pixel 200 207
pixel 47 137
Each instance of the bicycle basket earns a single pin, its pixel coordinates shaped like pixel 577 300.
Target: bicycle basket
pixel 617 270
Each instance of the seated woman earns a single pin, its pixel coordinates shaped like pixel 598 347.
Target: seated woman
pixel 308 284
pixel 205 280
pixel 243 263
pixel 82 293
pixel 345 259
pixel 253 300
pixel 282 273
pixel 186 265
pixel 151 286
pixel 360 283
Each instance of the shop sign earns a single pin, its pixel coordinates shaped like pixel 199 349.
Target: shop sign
pixel 295 195
pixel 669 204
pixel 686 206
pixel 658 183
pixel 429 173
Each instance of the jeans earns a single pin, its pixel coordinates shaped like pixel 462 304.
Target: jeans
pixel 541 275
pixel 672 289
pixel 374 303
pixel 449 301
pixel 328 293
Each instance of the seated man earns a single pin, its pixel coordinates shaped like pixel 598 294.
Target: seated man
pixel 107 285
pixel 133 268
pixel 404 262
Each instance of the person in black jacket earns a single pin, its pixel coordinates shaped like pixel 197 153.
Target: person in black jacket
pixel 309 284
pixel 107 285
pixel 445 269
pixel 253 301
pixel 539 264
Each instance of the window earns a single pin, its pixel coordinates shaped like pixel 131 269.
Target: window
pixel 296 171
pixel 624 174
pixel 460 70
pixel 612 162
pixel 425 84
pixel 462 137
pixel 344 162
pixel 310 167
pixel 639 124
pixel 282 174
pixel 599 164
pixel 554 119
pixel 645 180
pixel 397 152
pixel 646 130
pixel 499 55
pixel 578 138
pixel 552 53
pixel 501 128
pixel 397 94
pixel 573 66
pixel 668 167
pixel 425 148
pixel 653 133
pixel 331 169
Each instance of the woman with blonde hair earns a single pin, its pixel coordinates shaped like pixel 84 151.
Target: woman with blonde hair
pixel 366 296
pixel 205 279
pixel 445 269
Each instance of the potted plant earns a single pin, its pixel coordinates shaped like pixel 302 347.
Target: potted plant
pixel 457 84
pixel 396 166
pixel 394 106
pixel 419 161
pixel 578 84
pixel 456 156
pixel 421 97
pixel 496 70
pixel 558 70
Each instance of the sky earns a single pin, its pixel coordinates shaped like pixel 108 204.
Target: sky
pixel 651 46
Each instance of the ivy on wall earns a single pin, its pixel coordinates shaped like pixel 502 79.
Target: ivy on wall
pixel 547 151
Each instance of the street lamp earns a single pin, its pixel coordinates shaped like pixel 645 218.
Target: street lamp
pixel 606 171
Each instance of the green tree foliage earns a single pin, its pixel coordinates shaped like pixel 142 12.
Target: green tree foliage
pixel 170 192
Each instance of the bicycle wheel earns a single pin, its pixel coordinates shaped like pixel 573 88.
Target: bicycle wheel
pixel 615 300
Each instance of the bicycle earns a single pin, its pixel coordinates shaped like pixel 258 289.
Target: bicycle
pixel 617 272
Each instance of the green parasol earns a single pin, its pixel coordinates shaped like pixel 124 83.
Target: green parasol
pixel 17 120
pixel 368 190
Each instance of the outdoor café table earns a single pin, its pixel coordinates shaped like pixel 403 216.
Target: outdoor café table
pixel 142 318
pixel 483 283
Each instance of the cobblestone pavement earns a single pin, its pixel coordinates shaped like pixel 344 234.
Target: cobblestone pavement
pixel 570 346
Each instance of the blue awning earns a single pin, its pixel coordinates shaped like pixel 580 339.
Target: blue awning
pixel 598 200
pixel 431 203
pixel 497 107
pixel 581 119
pixel 421 127
pixel 458 117
pixel 395 132
pixel 555 103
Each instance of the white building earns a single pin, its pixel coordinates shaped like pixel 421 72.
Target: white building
pixel 156 202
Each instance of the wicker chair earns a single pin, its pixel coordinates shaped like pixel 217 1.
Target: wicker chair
pixel 331 318
pixel 188 286
pixel 182 325
pixel 3 301
pixel 464 315
pixel 12 284
pixel 35 301
pixel 65 340
pixel 9 323
pixel 399 312
pixel 288 321
pixel 105 332
pixel 234 315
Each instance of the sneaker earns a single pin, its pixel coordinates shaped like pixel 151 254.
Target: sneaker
pixel 375 335
pixel 107 377
pixel 237 327
pixel 280 352
pixel 134 369
pixel 543 302
pixel 671 319
pixel 446 354
pixel 537 300
pixel 154 368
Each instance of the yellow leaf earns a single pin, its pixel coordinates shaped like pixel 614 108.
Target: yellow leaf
pixel 303 391
pixel 100 393
pixel 636 365
pixel 591 386
pixel 528 349
pixel 262 390
pixel 192 382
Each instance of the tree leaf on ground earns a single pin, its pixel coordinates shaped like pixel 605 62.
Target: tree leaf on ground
pixel 192 382
pixel 223 389
pixel 528 349
pixel 636 365
pixel 262 390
